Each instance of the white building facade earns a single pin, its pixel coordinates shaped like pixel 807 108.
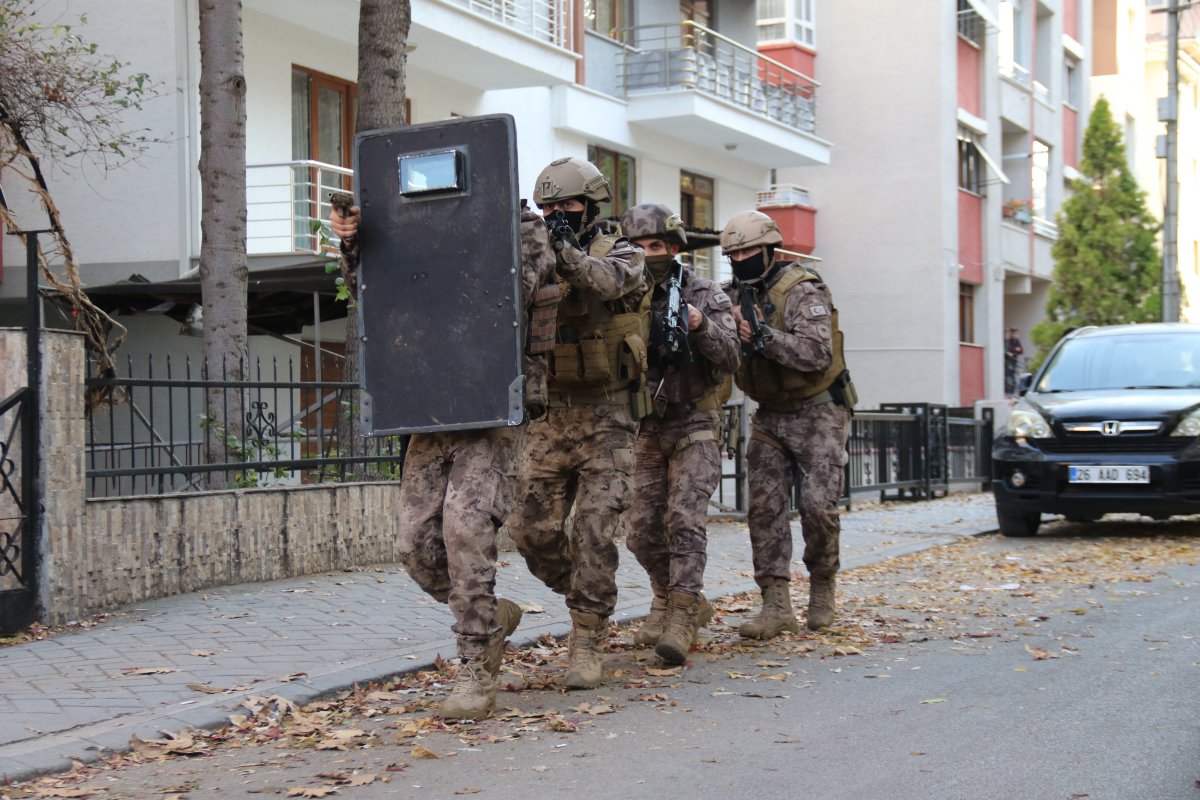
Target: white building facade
pixel 952 155
pixel 670 99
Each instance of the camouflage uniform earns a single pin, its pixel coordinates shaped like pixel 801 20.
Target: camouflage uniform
pixel 456 491
pixel 678 455
pixel 810 440
pixel 579 457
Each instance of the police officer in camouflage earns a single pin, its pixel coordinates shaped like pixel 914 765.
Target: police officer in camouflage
pixel 578 460
pixel 678 456
pixel 796 372
pixel 454 495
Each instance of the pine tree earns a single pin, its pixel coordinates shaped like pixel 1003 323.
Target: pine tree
pixel 1106 269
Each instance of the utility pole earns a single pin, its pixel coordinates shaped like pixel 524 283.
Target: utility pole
pixel 1168 112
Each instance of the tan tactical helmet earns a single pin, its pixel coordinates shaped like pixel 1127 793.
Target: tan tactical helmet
pixel 653 219
pixel 749 229
pixel 567 178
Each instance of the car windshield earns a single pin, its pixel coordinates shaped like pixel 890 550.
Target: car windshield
pixel 1125 361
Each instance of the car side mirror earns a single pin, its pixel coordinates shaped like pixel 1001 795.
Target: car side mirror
pixel 1024 382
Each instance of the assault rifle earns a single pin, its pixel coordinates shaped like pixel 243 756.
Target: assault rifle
pixel 758 331
pixel 675 319
pixel 561 232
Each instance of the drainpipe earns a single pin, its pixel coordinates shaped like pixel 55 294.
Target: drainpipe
pixel 1032 130
pixel 577 39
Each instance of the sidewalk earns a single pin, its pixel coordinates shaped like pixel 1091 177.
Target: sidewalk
pixel 76 695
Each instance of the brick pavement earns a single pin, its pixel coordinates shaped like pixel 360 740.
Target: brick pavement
pixel 78 694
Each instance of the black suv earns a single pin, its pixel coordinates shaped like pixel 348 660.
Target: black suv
pixel 1111 423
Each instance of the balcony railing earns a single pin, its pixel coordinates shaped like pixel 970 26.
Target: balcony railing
pixel 690 57
pixel 1016 72
pixel 1044 227
pixel 287 201
pixel 784 194
pixel 546 20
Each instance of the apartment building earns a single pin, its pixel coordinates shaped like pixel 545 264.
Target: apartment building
pixel 670 99
pixel 957 130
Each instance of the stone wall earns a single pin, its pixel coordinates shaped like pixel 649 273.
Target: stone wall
pixel 99 554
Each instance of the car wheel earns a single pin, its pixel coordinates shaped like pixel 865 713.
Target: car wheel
pixel 1018 523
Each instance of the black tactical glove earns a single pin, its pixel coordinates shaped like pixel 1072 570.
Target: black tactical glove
pixel 561 232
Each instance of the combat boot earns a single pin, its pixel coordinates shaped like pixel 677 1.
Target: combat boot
pixel 776 615
pixel 508 617
pixel 473 695
pixel 686 615
pixel 822 604
pixel 585 648
pixel 653 625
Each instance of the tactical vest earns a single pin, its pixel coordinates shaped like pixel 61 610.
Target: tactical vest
pixel 774 386
pixel 599 352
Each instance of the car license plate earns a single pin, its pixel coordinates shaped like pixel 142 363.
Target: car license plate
pixel 1108 474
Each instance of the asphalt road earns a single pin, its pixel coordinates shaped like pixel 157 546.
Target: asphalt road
pixel 1062 667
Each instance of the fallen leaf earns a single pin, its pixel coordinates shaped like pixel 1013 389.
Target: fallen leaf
pixel 61 791
pixel 148 670
pixel 532 608
pixel 311 791
pixel 295 676
pixel 1039 654
pixel 662 673
pixel 847 650
pixel 468 790
pixel 203 653
pixel 200 687
pixel 420 751
pixel 933 700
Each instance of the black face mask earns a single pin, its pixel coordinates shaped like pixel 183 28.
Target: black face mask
pixel 660 266
pixel 750 269
pixel 574 219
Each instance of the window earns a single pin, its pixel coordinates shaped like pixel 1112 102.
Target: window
pixel 697 210
pixel 970 24
pixel 970 164
pixel 966 313
pixel 323 109
pixel 619 170
pixel 1039 177
pixel 787 21
pixel 1071 82
pixel 608 17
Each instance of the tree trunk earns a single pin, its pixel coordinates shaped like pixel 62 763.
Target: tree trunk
pixel 223 272
pixel 382 36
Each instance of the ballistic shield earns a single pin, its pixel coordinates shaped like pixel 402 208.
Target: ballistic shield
pixel 439 276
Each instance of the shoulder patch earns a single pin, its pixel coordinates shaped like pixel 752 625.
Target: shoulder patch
pixel 818 310
pixel 721 301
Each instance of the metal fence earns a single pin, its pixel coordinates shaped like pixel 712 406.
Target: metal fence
pixel 901 451
pixel 153 433
pixel 153 430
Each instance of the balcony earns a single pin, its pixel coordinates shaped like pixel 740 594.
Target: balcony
pixel 495 44
pixel 791 207
pixel 286 203
pixel 485 44
pixel 694 84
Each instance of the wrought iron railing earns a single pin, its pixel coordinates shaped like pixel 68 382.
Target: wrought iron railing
pixel 18 546
pixel 691 57
pixel 902 451
pixel 157 431
pixel 287 203
pixel 549 21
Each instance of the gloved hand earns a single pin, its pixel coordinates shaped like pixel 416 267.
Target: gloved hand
pixel 561 232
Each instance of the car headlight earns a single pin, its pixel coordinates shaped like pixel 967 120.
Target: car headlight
pixel 1025 423
pixel 1189 425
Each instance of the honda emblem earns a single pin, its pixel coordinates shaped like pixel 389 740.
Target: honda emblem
pixel 1110 427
